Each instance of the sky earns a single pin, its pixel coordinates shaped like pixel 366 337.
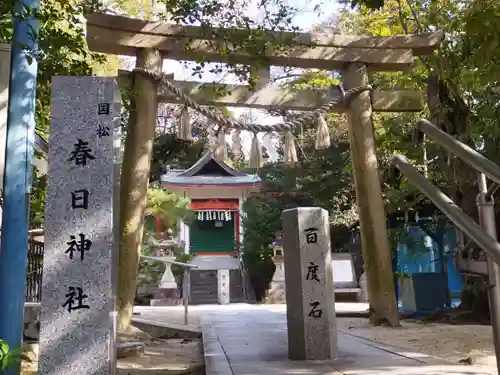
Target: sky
pixel 306 19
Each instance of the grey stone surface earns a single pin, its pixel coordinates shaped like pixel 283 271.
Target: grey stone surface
pixel 129 349
pixel 312 332
pixel 78 342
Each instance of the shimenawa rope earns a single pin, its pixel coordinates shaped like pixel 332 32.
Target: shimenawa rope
pixel 225 123
pixel 344 99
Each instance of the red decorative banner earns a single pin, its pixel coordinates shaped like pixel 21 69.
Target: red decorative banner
pixel 215 204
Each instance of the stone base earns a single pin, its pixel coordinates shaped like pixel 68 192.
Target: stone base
pixel 277 292
pixel 31 321
pixel 166 302
pixel 162 293
pixel 129 349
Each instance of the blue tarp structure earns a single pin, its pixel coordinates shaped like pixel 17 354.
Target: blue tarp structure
pixel 418 253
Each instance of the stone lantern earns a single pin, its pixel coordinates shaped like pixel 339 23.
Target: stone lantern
pixel 277 291
pixel 167 293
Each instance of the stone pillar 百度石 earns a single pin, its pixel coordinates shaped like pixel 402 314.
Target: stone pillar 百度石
pixel 312 331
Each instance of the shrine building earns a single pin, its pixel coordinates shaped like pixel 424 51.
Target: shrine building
pixel 217 192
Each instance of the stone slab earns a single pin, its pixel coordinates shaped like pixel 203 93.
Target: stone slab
pixel 164 330
pixel 161 293
pixel 312 331
pixel 76 321
pixel 166 301
pixel 216 362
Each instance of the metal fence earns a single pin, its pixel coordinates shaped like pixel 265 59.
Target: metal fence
pixel 33 292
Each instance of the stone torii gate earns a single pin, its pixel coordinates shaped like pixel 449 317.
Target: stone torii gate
pixel 352 56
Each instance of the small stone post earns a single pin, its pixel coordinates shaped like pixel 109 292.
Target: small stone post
pixel 223 290
pixel 312 331
pixel 277 293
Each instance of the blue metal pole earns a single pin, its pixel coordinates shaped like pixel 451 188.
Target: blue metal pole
pixel 17 176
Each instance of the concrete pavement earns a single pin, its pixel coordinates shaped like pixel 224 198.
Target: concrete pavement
pixel 245 339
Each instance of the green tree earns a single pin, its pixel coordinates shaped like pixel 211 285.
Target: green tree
pixel 321 178
pixel 169 207
pixel 62 51
pixel 459 78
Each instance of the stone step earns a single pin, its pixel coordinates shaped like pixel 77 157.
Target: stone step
pixel 203 301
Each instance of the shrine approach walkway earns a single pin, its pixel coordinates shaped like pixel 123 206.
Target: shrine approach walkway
pixel 242 339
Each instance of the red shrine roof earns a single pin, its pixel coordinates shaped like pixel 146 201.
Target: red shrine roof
pixel 210 172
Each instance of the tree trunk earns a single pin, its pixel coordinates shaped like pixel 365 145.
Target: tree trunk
pixel 451 114
pixel 372 217
pixel 134 182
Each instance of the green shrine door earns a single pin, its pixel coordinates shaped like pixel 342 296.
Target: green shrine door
pixel 213 232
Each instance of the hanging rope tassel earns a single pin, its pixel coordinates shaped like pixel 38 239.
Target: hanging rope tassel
pixel 256 159
pixel 220 152
pixel 184 131
pixel 289 150
pixel 322 134
pixel 212 138
pixel 236 145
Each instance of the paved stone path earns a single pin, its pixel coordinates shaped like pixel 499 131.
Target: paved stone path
pixel 242 339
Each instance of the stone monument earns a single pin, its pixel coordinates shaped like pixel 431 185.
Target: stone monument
pixel 312 332
pixel 277 293
pixel 77 327
pixel 223 291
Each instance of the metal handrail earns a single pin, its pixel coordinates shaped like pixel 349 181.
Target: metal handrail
pixel 461 150
pixel 186 281
pixel 484 238
pixel 448 207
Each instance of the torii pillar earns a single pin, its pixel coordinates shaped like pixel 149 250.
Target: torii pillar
pixel 372 218
pixel 135 178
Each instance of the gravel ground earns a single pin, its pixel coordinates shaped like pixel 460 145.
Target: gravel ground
pixel 450 342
